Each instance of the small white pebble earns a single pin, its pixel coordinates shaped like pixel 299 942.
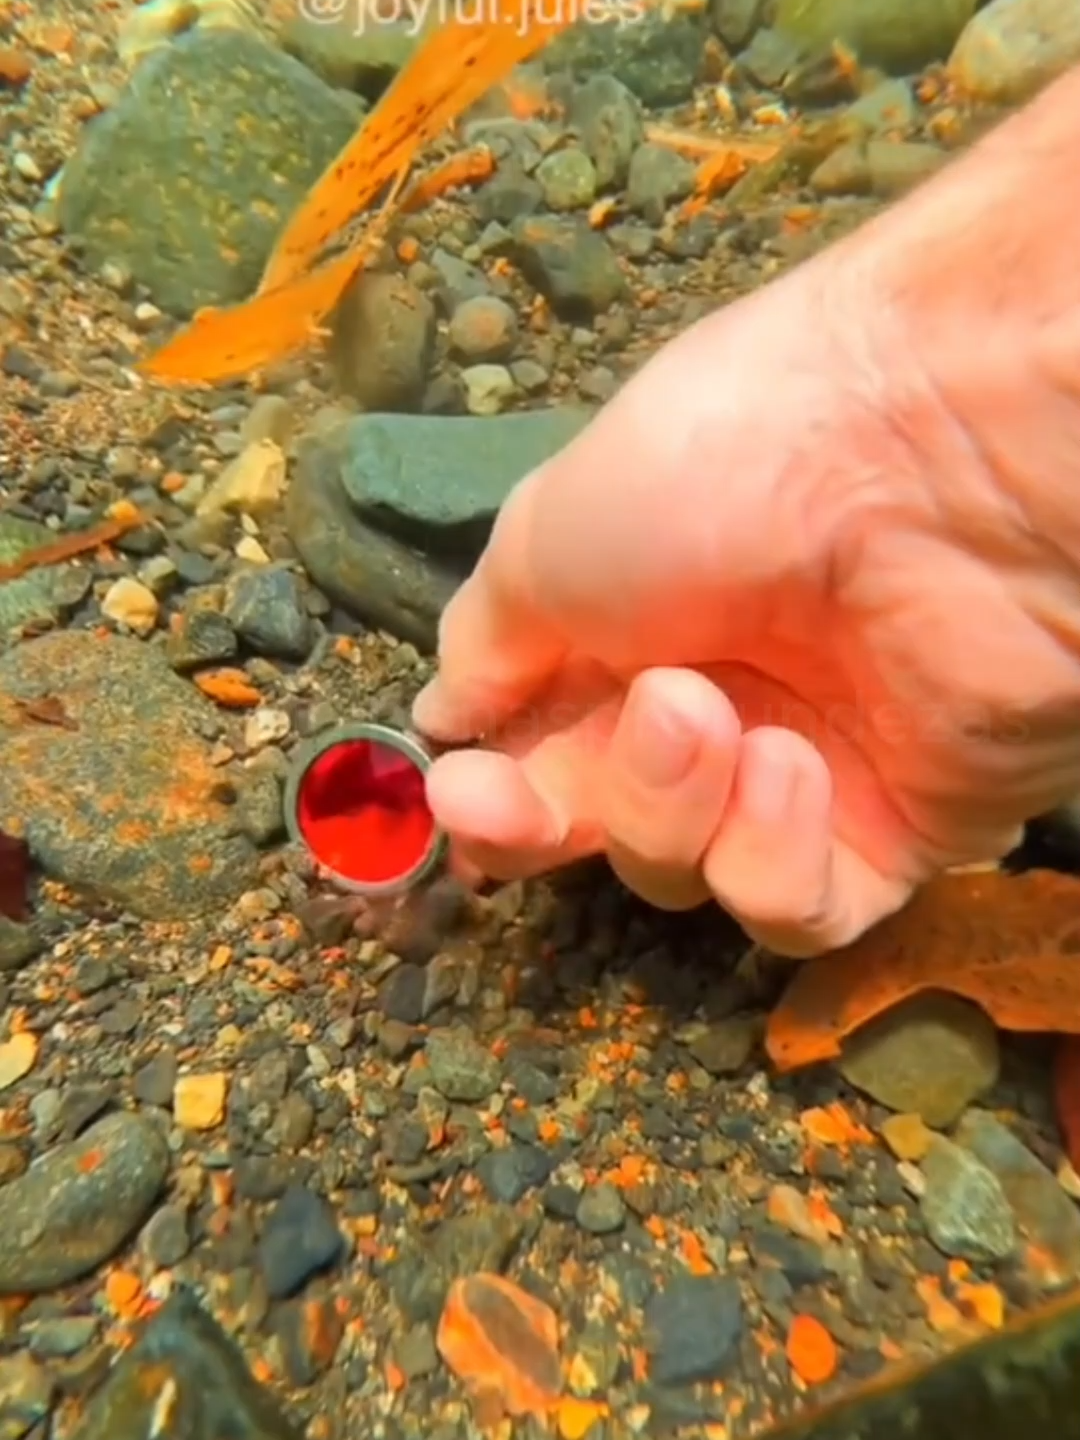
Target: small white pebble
pixel 26 166
pixel 249 549
pixel 265 727
pixel 130 603
pixel 147 315
pixel 913 1179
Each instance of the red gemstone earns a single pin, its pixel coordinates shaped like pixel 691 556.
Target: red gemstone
pixel 362 810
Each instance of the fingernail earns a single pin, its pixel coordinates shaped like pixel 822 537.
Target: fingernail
pixel 662 748
pixel 425 701
pixel 769 791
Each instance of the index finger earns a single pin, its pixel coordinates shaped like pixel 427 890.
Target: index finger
pixel 497 646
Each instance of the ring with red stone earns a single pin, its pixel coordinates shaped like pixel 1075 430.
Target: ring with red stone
pixel 355 799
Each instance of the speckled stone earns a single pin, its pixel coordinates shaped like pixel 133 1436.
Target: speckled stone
pixel 79 1203
pixel 188 179
pixel 124 803
pixel 448 508
pixel 184 1379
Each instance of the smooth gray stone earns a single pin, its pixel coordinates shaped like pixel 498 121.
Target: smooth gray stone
pixel 374 577
pixel 389 513
pixel 438 481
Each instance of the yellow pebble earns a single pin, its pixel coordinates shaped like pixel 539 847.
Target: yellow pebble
pixel 907 1136
pixel 199 1101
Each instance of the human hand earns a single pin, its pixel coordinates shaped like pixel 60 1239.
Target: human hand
pixel 769 630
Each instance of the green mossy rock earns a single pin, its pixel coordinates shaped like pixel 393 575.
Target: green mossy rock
pixel 900 36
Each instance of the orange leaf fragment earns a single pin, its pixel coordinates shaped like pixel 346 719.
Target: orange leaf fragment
pixel 527 98
pixel 229 688
pixel 697 1262
pixel 941 1314
pixel 46 710
pixel 832 1125
pixel 811 1350
pixel 985 1302
pixel 467 168
pixel 395 1377
pixel 69 546
pixel 1067 1096
pixel 502 1343
pixel 577 1417
pixel 123 1292
pixel 1009 943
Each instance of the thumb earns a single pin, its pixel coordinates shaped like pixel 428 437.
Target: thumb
pixel 497 646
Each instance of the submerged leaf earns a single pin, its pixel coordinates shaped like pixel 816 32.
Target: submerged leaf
pixel 1067 1097
pixel 14 877
pixel 502 1343
pixel 55 552
pixel 221 344
pixel 1010 943
pixel 449 72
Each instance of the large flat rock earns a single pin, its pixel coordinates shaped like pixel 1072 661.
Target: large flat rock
pixel 120 800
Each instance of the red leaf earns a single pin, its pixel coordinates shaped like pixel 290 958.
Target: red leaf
pixel 1067 1096
pixel 14 877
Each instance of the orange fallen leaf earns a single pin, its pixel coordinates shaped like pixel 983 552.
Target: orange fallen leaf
pixel 691 143
pixel 1067 1094
pixel 229 688
pixel 222 343
pixel 822 1213
pixel 69 546
pixel 502 1343
pixel 715 175
pixel 1006 942
pixel 396 1378
pixel 811 1350
pixel 454 66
